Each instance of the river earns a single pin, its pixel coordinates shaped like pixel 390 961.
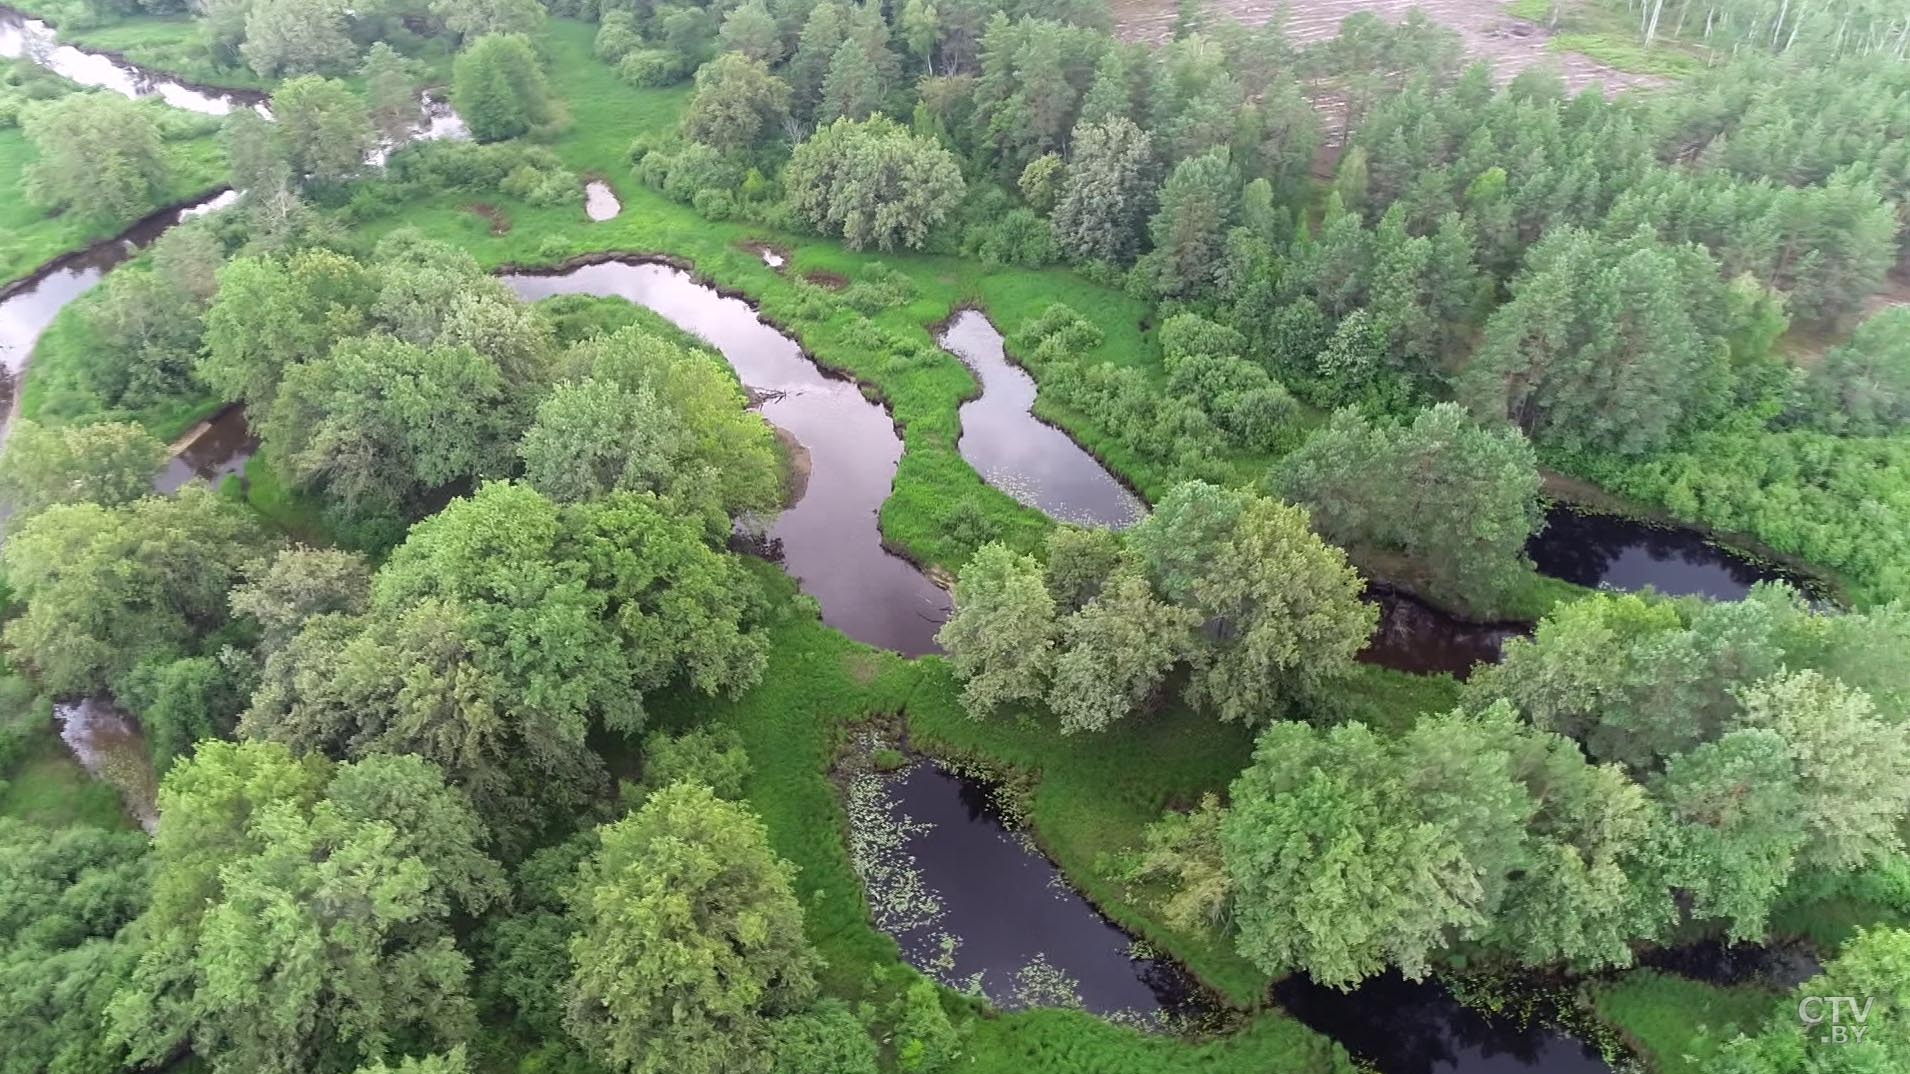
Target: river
pixel 828 539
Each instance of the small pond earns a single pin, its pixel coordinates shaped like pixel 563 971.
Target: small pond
pixel 974 904
pixel 600 202
pixel 1614 552
pixel 214 450
pixel 1397 1026
pixel 30 39
pixel 110 746
pixel 1417 637
pixel 1032 461
pixel 828 538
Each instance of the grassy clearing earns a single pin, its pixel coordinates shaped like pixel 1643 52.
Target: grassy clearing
pixel 46 786
pixel 1608 35
pixel 29 238
pixel 1093 793
pixel 1675 1023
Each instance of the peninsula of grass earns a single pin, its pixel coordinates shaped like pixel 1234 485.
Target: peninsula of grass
pixel 1678 1024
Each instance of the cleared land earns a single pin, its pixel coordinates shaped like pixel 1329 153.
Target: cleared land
pixel 1506 43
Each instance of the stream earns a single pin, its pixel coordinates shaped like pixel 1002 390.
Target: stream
pixel 22 37
pixel 110 746
pixel 1018 453
pixel 1614 552
pixel 828 539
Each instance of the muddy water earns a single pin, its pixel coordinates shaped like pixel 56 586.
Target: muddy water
pixel 30 39
pixel 827 539
pixel 216 449
pixel 111 747
pixel 975 904
pixel 1614 552
pixel 1036 463
pixel 600 202
pixel 1417 637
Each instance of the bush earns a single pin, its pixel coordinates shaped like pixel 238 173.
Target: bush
pixel 653 67
pixel 714 757
pixel 714 204
pixel 617 36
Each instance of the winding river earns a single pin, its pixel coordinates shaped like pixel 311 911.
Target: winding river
pixel 828 539
pixel 1032 461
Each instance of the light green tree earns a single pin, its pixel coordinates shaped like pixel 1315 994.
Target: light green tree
pixel 689 940
pixel 1115 652
pixel 499 88
pixel 97 155
pixel 325 128
pixel 873 183
pixel 1108 194
pixel 299 37
pixel 738 104
pixel 107 463
pixel 751 30
pixel 1001 638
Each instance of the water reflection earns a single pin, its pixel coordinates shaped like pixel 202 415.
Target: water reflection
pixel 1032 461
pixel 30 39
pixel 216 449
pixel 975 904
pixel 110 746
pixel 600 202
pixel 1404 1027
pixel 828 539
pixel 1614 552
pixel 1415 636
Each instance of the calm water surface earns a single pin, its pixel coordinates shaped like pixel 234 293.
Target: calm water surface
pixel 974 903
pixel 110 746
pixel 600 202
pixel 1614 552
pixel 1417 637
pixel 219 449
pixel 30 39
pixel 828 539
pixel 1030 460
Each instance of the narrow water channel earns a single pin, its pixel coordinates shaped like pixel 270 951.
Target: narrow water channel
pixel 1018 453
pixel 828 539
pixel 214 450
pixel 974 904
pixel 22 37
pixel 1417 637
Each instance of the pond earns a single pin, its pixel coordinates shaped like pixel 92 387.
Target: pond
pixel 976 905
pixel 110 746
pixel 828 539
pixel 1614 552
pixel 600 202
pixel 30 39
pixel 1018 453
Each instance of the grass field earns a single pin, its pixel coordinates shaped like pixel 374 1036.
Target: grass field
pixel 46 786
pixel 1678 1024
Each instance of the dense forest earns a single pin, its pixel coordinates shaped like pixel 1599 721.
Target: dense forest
pixel 485 718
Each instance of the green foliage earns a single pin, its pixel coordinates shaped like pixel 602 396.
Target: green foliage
pixel 109 464
pixel 689 940
pixel 645 415
pixel 298 37
pixel 325 127
pixel 826 1040
pixel 1459 500
pixel 712 756
pixel 1001 637
pixel 502 630
pixel 925 1041
pixel 738 104
pixel 1108 194
pixel 65 896
pixel 100 156
pixel 182 702
pixel 301 912
pixel 873 183
pixel 1863 387
pixel 499 88
pixel 107 587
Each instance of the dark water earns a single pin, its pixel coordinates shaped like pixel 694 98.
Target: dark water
pixel 26 38
pixel 1613 552
pixel 27 312
pixel 110 746
pixel 1403 1027
pixel 939 860
pixel 1781 967
pixel 214 451
pixel 600 202
pixel 1417 637
pixel 828 539
pixel 1036 463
